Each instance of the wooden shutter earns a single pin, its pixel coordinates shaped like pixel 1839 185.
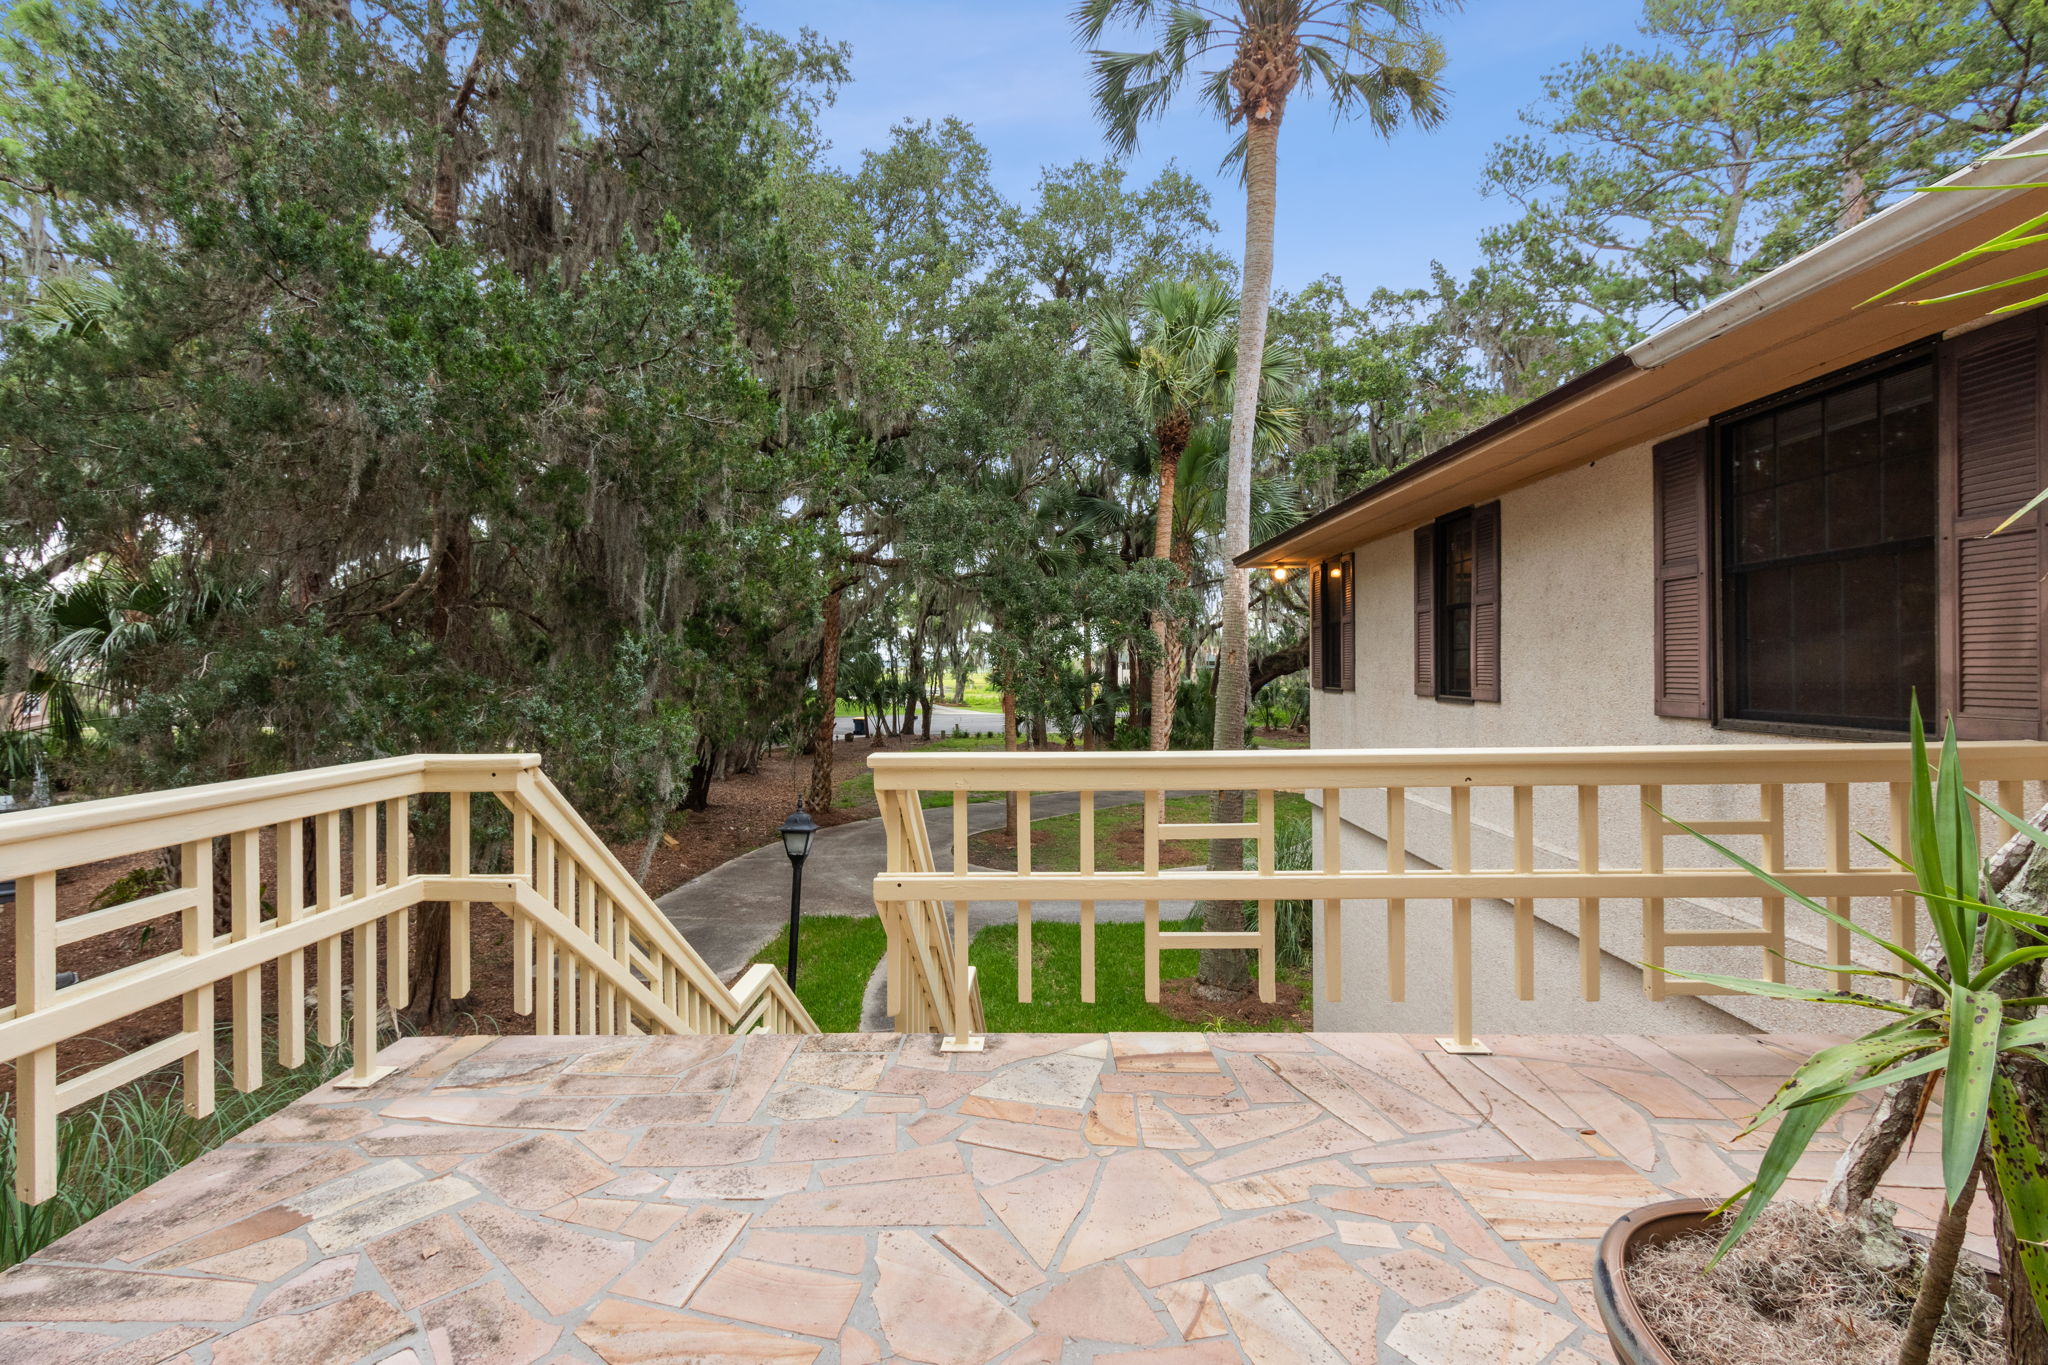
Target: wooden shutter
pixel 1684 543
pixel 1486 602
pixel 1347 622
pixel 1992 450
pixel 1425 610
pixel 1315 626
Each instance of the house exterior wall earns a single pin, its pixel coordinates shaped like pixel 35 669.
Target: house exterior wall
pixel 1577 668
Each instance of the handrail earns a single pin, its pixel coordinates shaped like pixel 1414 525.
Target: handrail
pixel 592 952
pixel 1523 826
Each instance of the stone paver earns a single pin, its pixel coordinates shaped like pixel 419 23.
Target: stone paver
pixel 1164 1199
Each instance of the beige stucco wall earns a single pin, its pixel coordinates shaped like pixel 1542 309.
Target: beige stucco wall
pixel 1577 668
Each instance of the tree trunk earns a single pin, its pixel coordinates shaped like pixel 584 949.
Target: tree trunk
pixel 1223 971
pixel 697 787
pixel 1009 745
pixel 819 797
pixel 1930 1304
pixel 432 1008
pixel 925 701
pixel 1164 672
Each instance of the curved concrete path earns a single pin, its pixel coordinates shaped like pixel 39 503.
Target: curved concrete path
pixel 729 913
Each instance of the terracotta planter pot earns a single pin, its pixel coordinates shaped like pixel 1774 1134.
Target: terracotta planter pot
pixel 1649 1226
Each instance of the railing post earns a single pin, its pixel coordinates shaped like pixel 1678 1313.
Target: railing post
pixel 35 1077
pixel 289 839
pixel 363 1070
pixel 1087 865
pixel 1652 830
pixel 1332 948
pixel 1461 1039
pixel 195 933
pixel 326 895
pixel 245 992
pixel 398 926
pixel 458 911
pixel 1397 909
pixel 907 806
pixel 1023 906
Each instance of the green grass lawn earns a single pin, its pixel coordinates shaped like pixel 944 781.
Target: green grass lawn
pixel 1119 837
pixel 836 954
pixel 1056 981
pixel 981 694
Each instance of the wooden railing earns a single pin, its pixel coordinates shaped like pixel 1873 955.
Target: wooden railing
pixel 1541 820
pixel 591 953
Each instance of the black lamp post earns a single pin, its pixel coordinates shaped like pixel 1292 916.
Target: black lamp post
pixel 797 831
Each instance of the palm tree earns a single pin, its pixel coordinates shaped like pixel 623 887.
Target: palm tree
pixel 1173 362
pixel 1372 57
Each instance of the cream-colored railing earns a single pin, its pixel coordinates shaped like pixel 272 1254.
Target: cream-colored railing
pixel 591 953
pixel 1544 820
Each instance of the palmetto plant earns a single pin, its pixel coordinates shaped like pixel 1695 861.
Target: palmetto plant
pixel 1969 1022
pixel 1369 57
pixel 1178 361
pixel 1250 57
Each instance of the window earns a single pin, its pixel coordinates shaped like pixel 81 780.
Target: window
pixel 1454 605
pixel 1828 583
pixel 1332 600
pixel 1457 605
pixel 1331 621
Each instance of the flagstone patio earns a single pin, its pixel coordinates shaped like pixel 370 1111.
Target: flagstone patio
pixel 1160 1199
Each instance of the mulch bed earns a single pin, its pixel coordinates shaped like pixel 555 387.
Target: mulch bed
pixel 1290 1007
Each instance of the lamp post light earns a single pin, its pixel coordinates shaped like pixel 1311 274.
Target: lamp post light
pixel 797 832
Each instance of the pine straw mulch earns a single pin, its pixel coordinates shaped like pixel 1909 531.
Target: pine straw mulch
pixel 1806 1287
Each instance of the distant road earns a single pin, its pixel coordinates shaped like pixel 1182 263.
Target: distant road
pixel 944 718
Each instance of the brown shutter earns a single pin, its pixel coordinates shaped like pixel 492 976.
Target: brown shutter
pixel 1425 610
pixel 1315 626
pixel 1348 625
pixel 1486 602
pixel 1991 594
pixel 1683 553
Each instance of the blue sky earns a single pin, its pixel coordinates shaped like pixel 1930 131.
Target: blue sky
pixel 1372 211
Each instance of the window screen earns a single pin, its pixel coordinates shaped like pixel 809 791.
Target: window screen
pixel 1828 551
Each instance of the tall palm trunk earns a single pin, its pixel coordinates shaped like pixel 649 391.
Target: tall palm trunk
pixel 1172 435
pixel 819 797
pixel 1223 971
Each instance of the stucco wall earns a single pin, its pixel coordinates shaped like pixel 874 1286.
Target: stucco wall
pixel 1577 668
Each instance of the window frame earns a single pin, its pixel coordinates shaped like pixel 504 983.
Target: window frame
pixel 1722 527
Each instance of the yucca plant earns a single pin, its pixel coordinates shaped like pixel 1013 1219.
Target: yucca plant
pixel 1965 1025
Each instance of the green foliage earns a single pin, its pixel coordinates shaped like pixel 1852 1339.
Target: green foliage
pixel 836 956
pixel 1742 132
pixel 133 1137
pixel 1974 1040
